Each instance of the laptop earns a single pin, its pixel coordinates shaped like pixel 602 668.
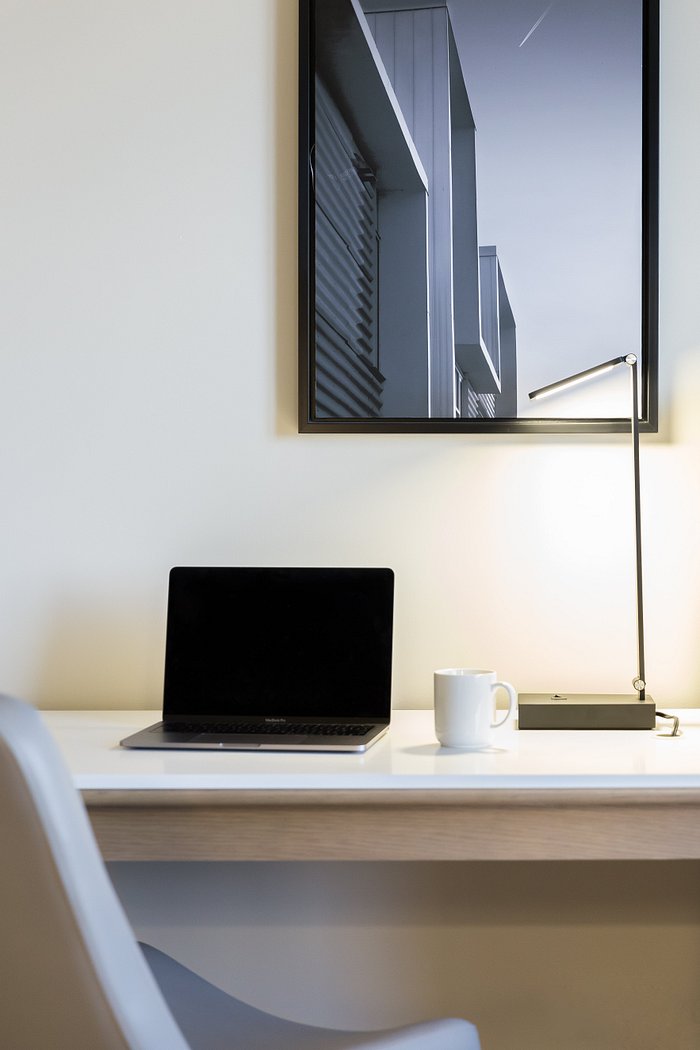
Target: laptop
pixel 280 659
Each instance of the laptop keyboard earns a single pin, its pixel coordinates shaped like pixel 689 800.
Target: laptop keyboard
pixel 268 728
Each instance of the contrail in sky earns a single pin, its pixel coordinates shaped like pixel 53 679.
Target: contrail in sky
pixel 539 22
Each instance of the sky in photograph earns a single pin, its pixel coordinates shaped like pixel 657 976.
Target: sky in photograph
pixel 555 89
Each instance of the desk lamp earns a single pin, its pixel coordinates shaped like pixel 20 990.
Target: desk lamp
pixel 611 710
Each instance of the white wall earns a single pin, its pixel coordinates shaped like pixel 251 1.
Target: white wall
pixel 148 391
pixel 148 395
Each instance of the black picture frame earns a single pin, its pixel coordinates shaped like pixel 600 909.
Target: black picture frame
pixel 327 54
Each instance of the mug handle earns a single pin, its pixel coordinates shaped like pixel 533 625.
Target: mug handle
pixel 512 701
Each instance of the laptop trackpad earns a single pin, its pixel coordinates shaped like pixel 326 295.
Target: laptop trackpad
pixel 216 740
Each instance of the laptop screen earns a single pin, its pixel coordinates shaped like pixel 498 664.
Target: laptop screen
pixel 279 642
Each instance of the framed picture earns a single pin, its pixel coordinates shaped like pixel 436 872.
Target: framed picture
pixel 478 202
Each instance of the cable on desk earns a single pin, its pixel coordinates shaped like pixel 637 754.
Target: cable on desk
pixel 675 728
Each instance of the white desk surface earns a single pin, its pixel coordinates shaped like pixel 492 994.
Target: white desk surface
pixel 408 757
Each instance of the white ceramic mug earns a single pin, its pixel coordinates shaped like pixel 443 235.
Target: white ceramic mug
pixel 465 703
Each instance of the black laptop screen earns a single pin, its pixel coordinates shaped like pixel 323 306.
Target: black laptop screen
pixel 286 642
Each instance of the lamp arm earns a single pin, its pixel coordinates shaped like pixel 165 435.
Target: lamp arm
pixel 579 377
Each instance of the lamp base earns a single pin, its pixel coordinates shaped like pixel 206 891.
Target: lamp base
pixel 585 711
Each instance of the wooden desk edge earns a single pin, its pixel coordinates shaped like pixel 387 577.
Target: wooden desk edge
pixel 517 798
pixel 590 824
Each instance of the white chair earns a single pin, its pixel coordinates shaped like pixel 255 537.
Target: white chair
pixel 73 976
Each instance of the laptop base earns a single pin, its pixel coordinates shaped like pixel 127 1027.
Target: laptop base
pixel 157 736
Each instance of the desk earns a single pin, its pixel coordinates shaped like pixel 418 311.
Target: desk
pixel 537 796
pixel 317 941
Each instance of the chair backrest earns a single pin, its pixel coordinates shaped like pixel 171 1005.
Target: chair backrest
pixel 71 972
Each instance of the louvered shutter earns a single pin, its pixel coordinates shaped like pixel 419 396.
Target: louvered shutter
pixel 347 377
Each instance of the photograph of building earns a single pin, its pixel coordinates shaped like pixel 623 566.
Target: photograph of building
pixel 466 157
